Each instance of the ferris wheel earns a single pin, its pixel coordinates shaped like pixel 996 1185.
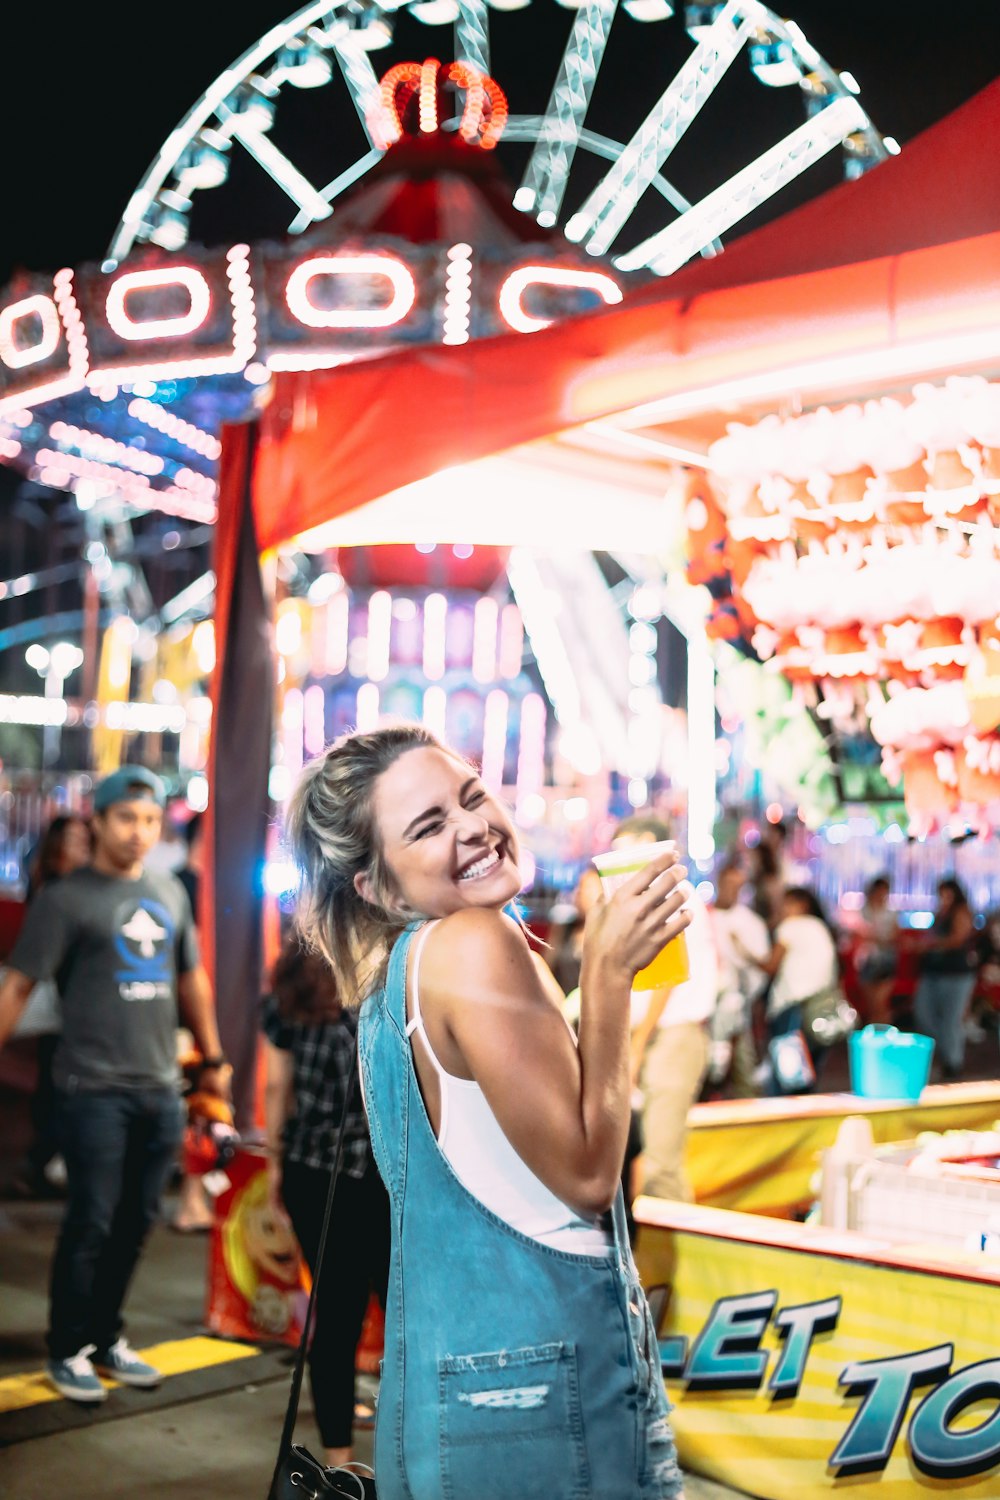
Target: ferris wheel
pixel 609 193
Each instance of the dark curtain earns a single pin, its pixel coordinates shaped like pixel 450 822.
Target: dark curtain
pixel 231 914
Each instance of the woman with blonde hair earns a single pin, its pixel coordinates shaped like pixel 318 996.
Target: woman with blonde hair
pixel 520 1355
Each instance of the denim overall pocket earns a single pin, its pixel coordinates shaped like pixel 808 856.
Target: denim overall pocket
pixel 511 1424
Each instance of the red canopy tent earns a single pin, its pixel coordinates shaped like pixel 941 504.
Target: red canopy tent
pixel 896 273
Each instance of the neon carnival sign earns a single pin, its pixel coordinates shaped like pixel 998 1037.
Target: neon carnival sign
pixel 153 356
pixel 266 309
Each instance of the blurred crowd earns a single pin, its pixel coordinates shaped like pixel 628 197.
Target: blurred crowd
pixel 770 984
pixel 780 957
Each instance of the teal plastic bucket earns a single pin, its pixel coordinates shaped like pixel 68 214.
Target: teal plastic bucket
pixel 889 1064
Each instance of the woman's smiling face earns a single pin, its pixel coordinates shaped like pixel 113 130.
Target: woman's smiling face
pixel 446 841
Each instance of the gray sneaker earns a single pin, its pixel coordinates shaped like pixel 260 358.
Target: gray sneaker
pixel 123 1364
pixel 75 1377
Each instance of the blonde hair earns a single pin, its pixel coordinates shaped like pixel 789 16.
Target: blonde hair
pixel 333 837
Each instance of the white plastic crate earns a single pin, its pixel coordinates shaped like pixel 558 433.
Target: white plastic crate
pixel 890 1201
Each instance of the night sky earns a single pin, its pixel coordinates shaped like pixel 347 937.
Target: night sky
pixel 80 126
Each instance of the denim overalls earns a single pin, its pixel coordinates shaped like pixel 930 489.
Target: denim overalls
pixel 512 1371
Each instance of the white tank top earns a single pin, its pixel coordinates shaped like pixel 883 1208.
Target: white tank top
pixel 486 1163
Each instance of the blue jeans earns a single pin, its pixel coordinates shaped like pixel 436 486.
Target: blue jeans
pixel 119 1147
pixel 938 1009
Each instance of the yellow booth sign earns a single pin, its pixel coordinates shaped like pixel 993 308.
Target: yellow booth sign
pixel 805 1362
pixel 760 1156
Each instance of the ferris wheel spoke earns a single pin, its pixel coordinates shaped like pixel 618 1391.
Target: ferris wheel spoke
pixel 609 206
pixel 472 34
pixel 278 166
pixel 544 182
pixel 339 185
pixel 670 248
pixel 359 75
pixel 528 128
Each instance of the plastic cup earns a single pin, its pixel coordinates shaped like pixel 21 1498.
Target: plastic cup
pixel 670 966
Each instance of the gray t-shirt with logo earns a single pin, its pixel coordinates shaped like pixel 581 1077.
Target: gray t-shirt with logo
pixel 115 948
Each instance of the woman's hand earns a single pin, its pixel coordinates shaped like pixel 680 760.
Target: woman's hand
pixel 626 930
pixel 274 1199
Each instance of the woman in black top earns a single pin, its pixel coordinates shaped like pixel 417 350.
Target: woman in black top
pixel 947 977
pixel 311 1043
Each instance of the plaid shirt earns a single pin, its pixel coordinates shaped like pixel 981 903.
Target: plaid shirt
pixel 322 1058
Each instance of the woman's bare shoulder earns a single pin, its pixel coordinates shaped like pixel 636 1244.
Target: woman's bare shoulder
pixel 475 943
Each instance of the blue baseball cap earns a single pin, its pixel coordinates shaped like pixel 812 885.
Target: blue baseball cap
pixel 128 784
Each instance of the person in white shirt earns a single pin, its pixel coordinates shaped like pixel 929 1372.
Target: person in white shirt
pixel 670 1041
pixel 742 942
pixel 803 962
pixel 878 951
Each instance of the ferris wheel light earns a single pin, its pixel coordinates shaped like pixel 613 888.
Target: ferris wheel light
pixel 436 12
pixel 850 83
pixel 818 93
pixel 255 113
pixel 303 66
pixel 508 4
pixel 371 31
pixel 206 168
pixel 862 151
pixel 802 44
pixel 648 10
pixel 699 19
pixel 891 145
pixel 772 60
pixel 170 230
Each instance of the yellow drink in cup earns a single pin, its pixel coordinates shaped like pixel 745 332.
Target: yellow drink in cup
pixel 670 966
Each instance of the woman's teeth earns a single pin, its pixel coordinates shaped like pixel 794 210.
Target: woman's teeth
pixel 481 866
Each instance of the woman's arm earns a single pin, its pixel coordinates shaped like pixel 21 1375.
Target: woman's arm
pixel 277 1107
pixel 771 961
pixel 564 1108
pixel 548 980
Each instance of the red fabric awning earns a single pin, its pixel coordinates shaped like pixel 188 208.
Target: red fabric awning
pixel 904 256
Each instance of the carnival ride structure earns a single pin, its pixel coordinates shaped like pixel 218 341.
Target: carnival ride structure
pixel 116 381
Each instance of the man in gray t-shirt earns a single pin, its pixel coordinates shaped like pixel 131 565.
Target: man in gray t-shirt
pixel 120 943
pixel 116 948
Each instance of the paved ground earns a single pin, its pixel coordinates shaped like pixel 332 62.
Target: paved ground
pixel 209 1432
pixel 212 1428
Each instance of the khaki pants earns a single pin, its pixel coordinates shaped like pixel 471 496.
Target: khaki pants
pixel 672 1076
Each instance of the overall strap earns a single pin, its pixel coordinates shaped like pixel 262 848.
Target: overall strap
pixel 416 1021
pixel 395 983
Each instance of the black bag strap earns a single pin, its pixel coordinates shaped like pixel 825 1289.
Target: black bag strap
pixel 300 1359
